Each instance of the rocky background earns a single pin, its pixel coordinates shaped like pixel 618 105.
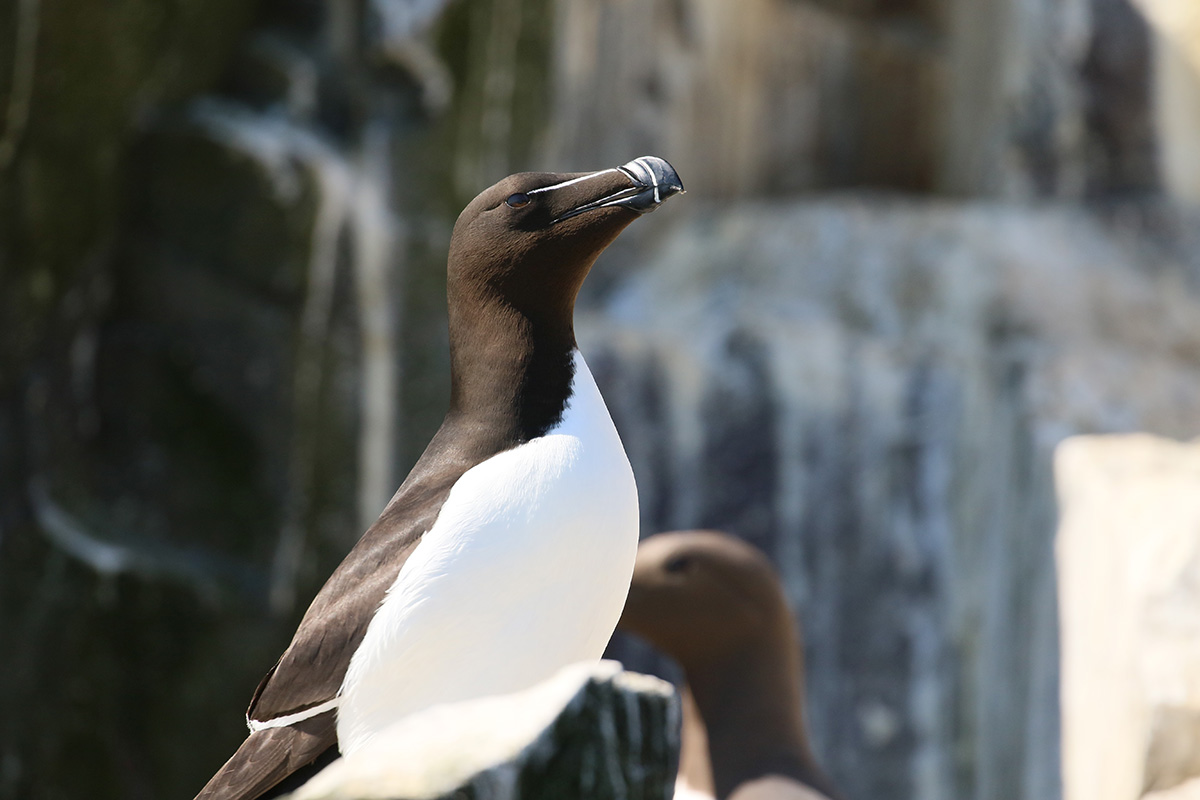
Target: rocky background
pixel 924 241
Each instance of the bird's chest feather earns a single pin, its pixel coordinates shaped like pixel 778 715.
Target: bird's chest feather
pixel 525 570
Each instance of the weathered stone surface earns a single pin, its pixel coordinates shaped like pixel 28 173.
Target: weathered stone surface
pixel 968 97
pixel 1176 25
pixel 871 392
pixel 747 98
pixel 223 333
pixel 1184 791
pixel 198 366
pixel 1129 593
pixel 592 732
pixel 75 78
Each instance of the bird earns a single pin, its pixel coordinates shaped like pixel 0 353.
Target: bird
pixel 714 604
pixel 507 552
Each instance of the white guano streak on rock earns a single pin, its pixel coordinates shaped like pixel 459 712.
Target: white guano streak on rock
pixel 402 20
pixel 270 141
pixel 809 379
pixel 374 234
pixel 685 419
pixel 106 559
pixel 297 68
pixel 334 186
pixel 351 198
pixel 111 559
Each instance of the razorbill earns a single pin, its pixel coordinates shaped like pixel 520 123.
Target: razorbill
pixel 507 552
pixel 714 604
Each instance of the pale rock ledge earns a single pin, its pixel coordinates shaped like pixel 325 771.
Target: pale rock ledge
pixel 592 732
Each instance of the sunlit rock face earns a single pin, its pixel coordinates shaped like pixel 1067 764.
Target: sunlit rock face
pixel 745 97
pixel 1129 563
pixel 983 98
pixel 871 392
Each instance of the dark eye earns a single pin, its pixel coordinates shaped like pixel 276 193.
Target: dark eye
pixel 518 200
pixel 678 564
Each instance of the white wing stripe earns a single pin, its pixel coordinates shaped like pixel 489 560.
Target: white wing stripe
pixel 291 719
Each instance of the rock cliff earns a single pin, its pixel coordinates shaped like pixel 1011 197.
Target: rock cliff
pixel 926 243
pixel 872 392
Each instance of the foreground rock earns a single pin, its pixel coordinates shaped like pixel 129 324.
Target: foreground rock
pixel 592 732
pixel 1129 594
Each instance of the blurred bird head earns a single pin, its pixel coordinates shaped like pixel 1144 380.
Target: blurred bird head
pixel 698 595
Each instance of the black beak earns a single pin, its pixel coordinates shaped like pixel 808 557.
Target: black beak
pixel 653 181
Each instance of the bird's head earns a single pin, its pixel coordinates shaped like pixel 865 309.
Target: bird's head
pixel 528 242
pixel 698 594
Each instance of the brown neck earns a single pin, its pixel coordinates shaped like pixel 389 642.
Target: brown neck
pixel 509 372
pixel 751 704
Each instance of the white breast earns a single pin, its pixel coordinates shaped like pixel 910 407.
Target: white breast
pixel 525 571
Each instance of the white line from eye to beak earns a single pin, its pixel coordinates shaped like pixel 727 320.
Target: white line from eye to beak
pixel 580 179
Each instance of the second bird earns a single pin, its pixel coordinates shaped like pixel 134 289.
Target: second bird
pixel 714 604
